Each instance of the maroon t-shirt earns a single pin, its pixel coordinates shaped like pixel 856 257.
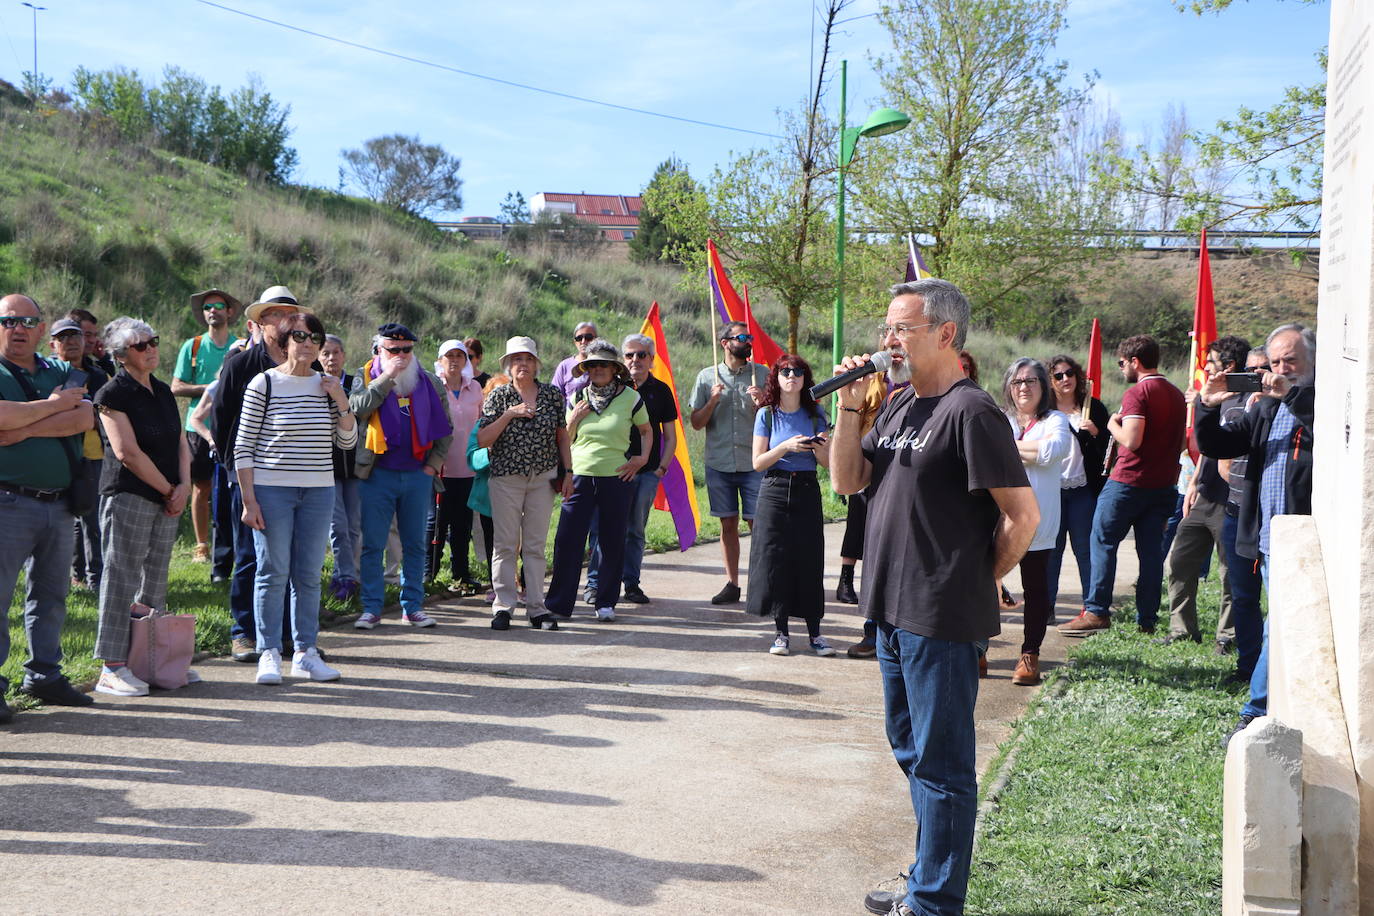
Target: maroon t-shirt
pixel 1155 464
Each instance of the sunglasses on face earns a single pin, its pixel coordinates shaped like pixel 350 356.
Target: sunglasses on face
pixel 214 306
pixel 1060 376
pixel 741 338
pixel 300 336
pixel 395 350
pixel 584 338
pixel 143 345
pixel 22 321
pixel 637 354
pixel 791 372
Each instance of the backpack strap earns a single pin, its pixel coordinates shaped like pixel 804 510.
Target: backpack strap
pixel 195 351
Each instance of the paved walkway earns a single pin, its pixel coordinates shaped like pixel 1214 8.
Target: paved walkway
pixel 661 763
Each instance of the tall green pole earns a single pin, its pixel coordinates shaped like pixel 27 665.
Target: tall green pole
pixel 837 341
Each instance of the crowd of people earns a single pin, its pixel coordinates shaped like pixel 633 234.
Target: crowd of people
pixel 285 455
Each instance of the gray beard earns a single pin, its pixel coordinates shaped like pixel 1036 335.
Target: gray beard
pixel 900 373
pixel 407 380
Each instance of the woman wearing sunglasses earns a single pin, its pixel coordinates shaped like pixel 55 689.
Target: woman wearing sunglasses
pixel 292 419
pixel 1082 480
pixel 1045 442
pixel 787 549
pixel 144 486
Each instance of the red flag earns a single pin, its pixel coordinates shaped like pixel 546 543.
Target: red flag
pixel 1204 332
pixel 766 350
pixel 723 295
pixel 677 492
pixel 1094 370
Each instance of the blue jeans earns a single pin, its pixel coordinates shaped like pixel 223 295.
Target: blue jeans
pixel 290 550
pixel 608 498
pixel 1076 508
pixel 407 495
pixel 241 583
pixel 1246 616
pixel 1259 680
pixel 37 537
pixel 1121 508
pixel 644 487
pixel 223 522
pixel 732 493
pixel 929 690
pixel 344 528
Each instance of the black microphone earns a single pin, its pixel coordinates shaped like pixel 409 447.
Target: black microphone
pixel 880 362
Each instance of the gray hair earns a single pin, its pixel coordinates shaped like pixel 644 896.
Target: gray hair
pixel 1257 351
pixel 647 342
pixel 1046 396
pixel 121 332
pixel 1309 340
pixel 942 302
pixel 585 324
pixel 333 339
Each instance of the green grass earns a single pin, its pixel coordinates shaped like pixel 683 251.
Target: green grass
pixel 1113 796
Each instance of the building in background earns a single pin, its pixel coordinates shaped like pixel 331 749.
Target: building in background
pixel 616 214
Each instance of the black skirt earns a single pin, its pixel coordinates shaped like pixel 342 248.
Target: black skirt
pixel 787 549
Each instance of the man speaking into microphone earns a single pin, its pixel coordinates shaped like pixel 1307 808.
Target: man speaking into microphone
pixel 950 511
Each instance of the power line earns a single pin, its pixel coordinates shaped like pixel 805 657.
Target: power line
pixel 481 76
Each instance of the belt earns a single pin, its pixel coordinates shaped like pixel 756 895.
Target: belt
pixel 776 472
pixel 43 496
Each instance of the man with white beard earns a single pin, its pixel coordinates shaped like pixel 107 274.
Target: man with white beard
pixel 407 435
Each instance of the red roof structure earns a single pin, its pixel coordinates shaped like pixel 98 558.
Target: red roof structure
pixel 607 210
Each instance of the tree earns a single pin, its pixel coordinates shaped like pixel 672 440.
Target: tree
pixel 514 209
pixel 768 210
pixel 654 240
pixel 978 172
pixel 550 227
pixel 402 172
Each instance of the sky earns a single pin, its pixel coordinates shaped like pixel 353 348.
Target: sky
pixel 730 62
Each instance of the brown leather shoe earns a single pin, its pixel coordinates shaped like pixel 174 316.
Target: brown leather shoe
pixel 1027 673
pixel 983 665
pixel 1086 624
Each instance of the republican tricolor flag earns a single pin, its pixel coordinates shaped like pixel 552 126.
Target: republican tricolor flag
pixel 732 308
pixel 916 268
pixel 677 491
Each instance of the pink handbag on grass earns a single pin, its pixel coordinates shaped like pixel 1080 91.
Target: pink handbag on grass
pixel 161 646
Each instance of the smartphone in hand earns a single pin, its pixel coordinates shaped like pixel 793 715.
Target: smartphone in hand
pixel 1244 381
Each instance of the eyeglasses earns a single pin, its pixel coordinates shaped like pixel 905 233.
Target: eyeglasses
pixel 742 338
pixel 637 354
pixel 901 330
pixel 399 349
pixel 791 372
pixel 1258 370
pixel 315 337
pixel 1024 382
pixel 214 306
pixel 1060 376
pixel 143 345
pixel 584 338
pixel 22 321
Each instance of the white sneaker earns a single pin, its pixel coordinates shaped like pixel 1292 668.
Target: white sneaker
pixel 269 667
pixel 781 646
pixel 309 664
pixel 121 682
pixel 192 677
pixel 605 613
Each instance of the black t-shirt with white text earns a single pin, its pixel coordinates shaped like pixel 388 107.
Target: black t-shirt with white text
pixel 929 540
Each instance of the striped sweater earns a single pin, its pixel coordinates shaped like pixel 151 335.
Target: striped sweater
pixel 289 442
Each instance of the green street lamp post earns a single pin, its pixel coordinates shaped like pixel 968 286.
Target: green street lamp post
pixel 882 121
pixel 36 10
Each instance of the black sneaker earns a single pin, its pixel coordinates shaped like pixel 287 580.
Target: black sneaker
pixel 634 595
pixel 6 714
pixel 501 621
pixel 727 595
pixel 886 896
pixel 1241 724
pixel 57 691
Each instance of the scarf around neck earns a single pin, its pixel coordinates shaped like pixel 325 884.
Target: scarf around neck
pixel 599 396
pixel 419 417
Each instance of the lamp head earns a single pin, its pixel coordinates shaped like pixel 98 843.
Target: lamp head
pixel 884 121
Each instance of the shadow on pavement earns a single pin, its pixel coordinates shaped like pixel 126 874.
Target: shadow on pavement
pixel 216 835
pixel 330 783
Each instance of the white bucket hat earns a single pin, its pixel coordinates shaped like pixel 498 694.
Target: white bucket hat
pixel 519 345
